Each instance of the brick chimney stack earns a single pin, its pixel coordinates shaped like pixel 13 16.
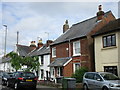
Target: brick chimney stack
pixel 48 42
pixel 32 45
pixel 100 13
pixel 40 44
pixel 65 26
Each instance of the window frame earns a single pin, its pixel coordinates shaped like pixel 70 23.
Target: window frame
pixel 54 52
pixel 74 66
pixel 74 48
pixel 110 43
pixel 42 60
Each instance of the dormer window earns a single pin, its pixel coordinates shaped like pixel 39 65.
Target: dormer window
pixel 109 40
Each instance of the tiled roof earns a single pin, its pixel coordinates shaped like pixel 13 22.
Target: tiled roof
pixel 110 27
pixel 23 50
pixel 58 62
pixel 5 59
pixel 78 30
pixel 41 51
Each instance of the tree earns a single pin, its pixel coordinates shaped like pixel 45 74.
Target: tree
pixel 15 60
pixel 32 63
pixel 79 74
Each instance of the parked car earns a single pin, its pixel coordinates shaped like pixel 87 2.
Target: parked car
pixel 5 77
pixel 23 79
pixel 101 80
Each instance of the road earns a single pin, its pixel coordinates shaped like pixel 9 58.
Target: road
pixel 39 87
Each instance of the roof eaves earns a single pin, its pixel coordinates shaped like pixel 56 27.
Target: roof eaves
pixel 114 30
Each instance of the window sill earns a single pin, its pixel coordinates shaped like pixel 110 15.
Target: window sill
pixel 109 47
pixel 53 56
pixel 76 55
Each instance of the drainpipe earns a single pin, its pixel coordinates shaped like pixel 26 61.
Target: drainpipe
pixel 69 49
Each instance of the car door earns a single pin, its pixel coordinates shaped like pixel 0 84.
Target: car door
pixel 98 82
pixel 90 80
pixel 12 80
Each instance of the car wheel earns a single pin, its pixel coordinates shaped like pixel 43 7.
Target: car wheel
pixel 85 87
pixel 16 86
pixel 105 88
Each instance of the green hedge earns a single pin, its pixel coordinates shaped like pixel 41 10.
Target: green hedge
pixel 79 74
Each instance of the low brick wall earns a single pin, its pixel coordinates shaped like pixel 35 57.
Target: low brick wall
pixel 57 85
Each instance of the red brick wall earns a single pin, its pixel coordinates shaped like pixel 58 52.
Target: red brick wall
pixel 68 70
pixel 87 49
pixel 60 51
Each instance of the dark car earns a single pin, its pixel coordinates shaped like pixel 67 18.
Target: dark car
pixel 5 77
pixel 23 79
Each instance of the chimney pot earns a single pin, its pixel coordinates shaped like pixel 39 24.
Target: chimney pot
pixel 100 13
pixel 32 45
pixel 48 42
pixel 40 44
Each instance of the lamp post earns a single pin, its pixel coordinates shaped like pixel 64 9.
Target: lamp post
pixel 5 42
pixel 47 34
pixel 5 39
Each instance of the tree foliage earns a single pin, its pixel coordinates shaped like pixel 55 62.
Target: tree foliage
pixel 17 62
pixel 79 74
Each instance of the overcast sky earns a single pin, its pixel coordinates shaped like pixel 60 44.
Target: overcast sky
pixel 33 19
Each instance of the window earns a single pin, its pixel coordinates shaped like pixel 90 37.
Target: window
pixel 97 77
pixel 52 71
pixel 90 75
pixel 76 66
pixel 53 52
pixel 109 41
pixel 42 73
pixel 111 69
pixel 76 48
pixel 42 60
pixel 59 71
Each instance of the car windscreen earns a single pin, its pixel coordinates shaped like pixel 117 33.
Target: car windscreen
pixel 109 76
pixel 28 75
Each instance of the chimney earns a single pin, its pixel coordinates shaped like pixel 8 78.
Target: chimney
pixel 100 13
pixel 32 45
pixel 48 42
pixel 40 44
pixel 65 26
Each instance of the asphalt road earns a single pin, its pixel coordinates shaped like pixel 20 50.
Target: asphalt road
pixel 39 87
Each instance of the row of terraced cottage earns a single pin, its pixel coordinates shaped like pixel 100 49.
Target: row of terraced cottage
pixel 93 43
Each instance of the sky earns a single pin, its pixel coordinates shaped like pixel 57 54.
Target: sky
pixel 38 19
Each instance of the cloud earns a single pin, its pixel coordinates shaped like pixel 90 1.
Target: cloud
pixel 33 19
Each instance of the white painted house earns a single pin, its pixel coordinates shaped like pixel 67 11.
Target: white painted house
pixel 44 59
pixel 107 48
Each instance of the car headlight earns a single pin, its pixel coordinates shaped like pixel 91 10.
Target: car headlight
pixel 112 85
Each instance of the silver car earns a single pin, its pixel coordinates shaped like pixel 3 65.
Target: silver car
pixel 101 81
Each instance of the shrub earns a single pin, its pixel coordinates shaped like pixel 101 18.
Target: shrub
pixel 79 74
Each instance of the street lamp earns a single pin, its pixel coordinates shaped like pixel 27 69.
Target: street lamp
pixel 5 42
pixel 47 34
pixel 5 39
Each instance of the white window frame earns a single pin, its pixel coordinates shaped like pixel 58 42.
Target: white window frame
pixel 74 48
pixel 52 71
pixel 74 66
pixel 54 52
